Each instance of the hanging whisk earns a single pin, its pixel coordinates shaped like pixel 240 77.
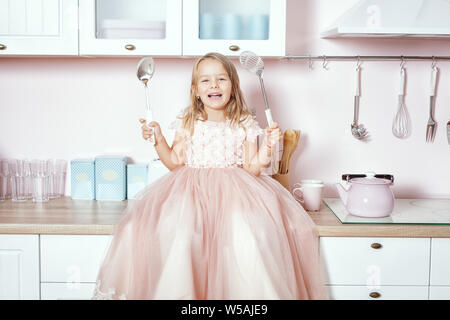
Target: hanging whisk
pixel 401 123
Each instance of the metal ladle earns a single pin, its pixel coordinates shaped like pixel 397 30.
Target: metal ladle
pixel 358 130
pixel 145 71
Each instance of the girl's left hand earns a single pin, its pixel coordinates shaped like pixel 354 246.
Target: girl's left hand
pixel 272 135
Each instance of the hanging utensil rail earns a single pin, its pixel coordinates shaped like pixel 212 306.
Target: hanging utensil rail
pixel 370 58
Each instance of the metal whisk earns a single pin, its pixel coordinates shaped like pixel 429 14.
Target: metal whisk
pixel 400 125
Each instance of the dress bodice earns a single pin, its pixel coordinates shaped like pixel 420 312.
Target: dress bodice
pixel 217 144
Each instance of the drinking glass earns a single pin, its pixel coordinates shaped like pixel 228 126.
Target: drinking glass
pixel 61 170
pixel 28 181
pixel 20 171
pixel 259 27
pixel 4 179
pixel 207 29
pixel 40 177
pixel 53 179
pixel 231 26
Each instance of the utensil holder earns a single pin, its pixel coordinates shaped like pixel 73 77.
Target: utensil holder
pixel 283 179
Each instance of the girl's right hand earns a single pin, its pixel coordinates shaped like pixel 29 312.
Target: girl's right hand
pixel 149 129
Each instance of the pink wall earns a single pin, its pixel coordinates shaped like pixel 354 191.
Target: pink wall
pixel 82 107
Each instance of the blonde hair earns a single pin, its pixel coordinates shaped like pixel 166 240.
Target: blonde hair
pixel 236 109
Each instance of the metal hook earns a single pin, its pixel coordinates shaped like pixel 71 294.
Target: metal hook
pixel 310 66
pixel 358 63
pixel 402 63
pixel 433 64
pixel 325 63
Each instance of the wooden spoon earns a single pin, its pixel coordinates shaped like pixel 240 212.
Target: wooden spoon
pixel 292 148
pixel 289 138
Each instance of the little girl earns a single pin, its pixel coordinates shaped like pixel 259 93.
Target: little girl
pixel 215 227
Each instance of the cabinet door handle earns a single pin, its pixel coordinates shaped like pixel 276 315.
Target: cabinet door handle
pixel 234 47
pixel 375 295
pixel 2 47
pixel 376 245
pixel 130 47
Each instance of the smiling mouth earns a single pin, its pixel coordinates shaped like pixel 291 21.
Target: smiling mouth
pixel 214 96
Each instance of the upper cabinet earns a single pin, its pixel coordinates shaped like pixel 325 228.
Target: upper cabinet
pixel 45 27
pixel 233 26
pixel 142 27
pixel 138 27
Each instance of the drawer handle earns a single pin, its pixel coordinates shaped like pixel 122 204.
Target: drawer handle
pixel 130 47
pixel 375 295
pixel 376 245
pixel 2 47
pixel 234 48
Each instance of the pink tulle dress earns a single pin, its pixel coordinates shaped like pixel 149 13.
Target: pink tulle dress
pixel 211 230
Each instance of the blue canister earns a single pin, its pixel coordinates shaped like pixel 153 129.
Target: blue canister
pixel 110 178
pixel 82 180
pixel 136 179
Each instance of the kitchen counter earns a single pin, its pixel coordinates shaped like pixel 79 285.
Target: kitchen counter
pixel 60 216
pixel 67 216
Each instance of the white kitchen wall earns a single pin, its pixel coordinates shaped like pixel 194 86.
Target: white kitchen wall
pixel 83 107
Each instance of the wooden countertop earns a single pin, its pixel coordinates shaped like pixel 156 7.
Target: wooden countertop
pixel 67 216
pixel 60 216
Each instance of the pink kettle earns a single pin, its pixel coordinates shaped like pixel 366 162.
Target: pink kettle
pixel 368 195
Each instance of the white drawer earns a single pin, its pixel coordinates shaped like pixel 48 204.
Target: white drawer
pixel 354 261
pixel 439 292
pixel 380 293
pixel 67 291
pixel 440 262
pixel 72 258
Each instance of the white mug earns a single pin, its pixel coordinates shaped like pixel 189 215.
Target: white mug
pixel 309 195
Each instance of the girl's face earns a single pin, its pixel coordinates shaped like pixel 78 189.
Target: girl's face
pixel 213 85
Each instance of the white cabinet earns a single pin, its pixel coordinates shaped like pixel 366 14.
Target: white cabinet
pixel 19 267
pixel 440 262
pixel 70 264
pixel 140 27
pixel 440 269
pixel 233 26
pixel 378 293
pixel 45 27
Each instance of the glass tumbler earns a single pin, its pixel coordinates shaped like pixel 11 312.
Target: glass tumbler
pixel 20 172
pixel 61 170
pixel 53 179
pixel 28 181
pixel 4 179
pixel 40 178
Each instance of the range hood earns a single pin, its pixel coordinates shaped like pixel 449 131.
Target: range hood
pixel 393 19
